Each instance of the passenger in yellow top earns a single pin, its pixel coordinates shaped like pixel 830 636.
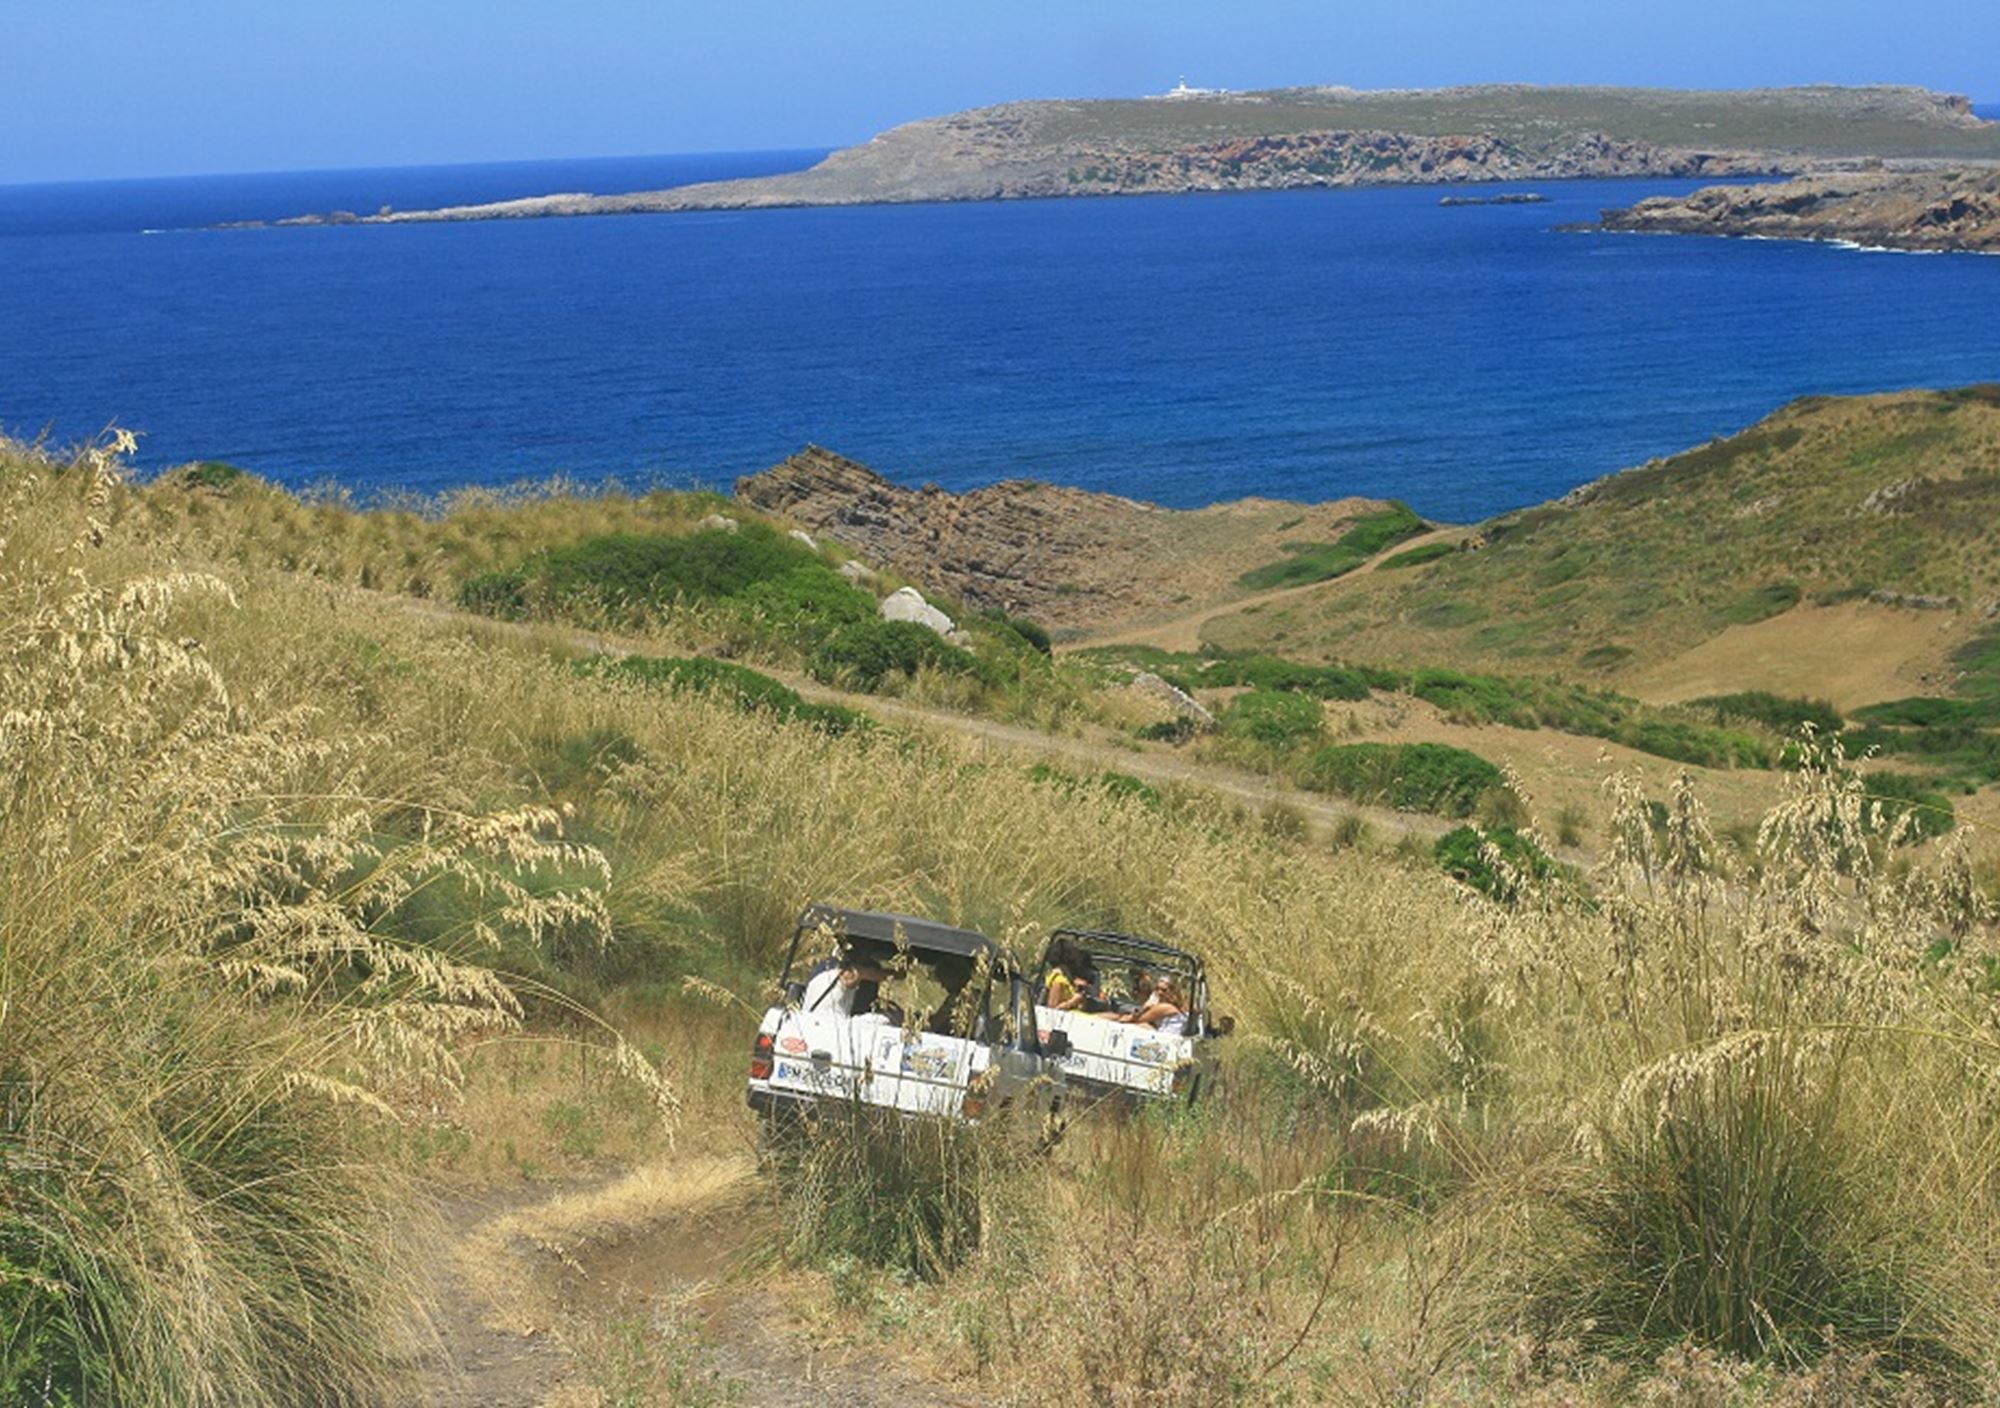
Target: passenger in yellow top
pixel 1061 989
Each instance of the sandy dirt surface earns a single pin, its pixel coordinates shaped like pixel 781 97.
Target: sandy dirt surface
pixel 543 1292
pixel 1849 655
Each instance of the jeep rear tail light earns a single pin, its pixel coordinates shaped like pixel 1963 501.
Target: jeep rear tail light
pixel 760 1057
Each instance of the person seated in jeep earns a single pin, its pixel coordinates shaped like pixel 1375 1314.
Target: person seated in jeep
pixel 1164 1009
pixel 843 985
pixel 1063 988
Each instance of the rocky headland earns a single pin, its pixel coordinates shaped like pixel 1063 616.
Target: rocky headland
pixel 1067 557
pixel 1319 137
pixel 1908 210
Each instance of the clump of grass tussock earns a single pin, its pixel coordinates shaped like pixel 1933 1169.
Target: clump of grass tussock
pixel 206 1013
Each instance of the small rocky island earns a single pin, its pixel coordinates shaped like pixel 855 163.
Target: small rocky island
pixel 1931 210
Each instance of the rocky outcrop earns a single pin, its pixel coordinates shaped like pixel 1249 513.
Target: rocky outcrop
pixel 1066 557
pixel 1911 210
pixel 1177 701
pixel 1305 137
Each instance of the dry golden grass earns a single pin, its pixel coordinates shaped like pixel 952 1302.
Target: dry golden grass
pixel 287 839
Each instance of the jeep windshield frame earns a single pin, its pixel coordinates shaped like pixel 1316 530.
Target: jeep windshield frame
pixel 960 954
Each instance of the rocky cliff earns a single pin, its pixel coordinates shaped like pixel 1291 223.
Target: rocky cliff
pixel 1305 137
pixel 1925 210
pixel 1067 557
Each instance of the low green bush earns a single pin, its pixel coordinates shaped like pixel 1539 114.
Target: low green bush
pixel 869 652
pixel 1031 634
pixel 1272 719
pixel 1464 855
pixel 1426 777
pixel 503 594
pixel 1268 672
pixel 1891 796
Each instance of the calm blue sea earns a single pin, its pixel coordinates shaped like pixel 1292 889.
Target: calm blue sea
pixel 1179 349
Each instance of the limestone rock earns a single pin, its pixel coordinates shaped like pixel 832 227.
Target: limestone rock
pixel 800 535
pixel 908 604
pixel 1184 705
pixel 856 572
pixel 717 522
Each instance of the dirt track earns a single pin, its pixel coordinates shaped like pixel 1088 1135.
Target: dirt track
pixel 1092 753
pixel 633 1288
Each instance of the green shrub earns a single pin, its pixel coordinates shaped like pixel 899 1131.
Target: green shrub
pixel 1273 720
pixel 1426 777
pixel 1463 855
pixel 642 570
pixel 1694 743
pixel 1893 795
pixel 1032 634
pixel 502 594
pixel 868 652
pixel 1268 672
pixel 775 578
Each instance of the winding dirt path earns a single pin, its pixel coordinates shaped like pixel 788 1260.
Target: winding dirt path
pixel 985 736
pixel 638 1288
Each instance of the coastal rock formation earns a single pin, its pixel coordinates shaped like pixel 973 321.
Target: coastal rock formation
pixel 1911 210
pixel 1305 137
pixel 1066 557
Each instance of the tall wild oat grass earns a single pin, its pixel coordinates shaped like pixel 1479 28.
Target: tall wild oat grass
pixel 205 1008
pixel 257 862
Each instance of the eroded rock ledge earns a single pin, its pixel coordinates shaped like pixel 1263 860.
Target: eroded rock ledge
pixel 1067 557
pixel 1915 210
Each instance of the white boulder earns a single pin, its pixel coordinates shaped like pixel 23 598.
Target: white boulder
pixel 717 521
pixel 800 535
pixel 856 572
pixel 908 604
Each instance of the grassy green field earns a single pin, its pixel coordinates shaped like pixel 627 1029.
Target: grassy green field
pixel 1827 501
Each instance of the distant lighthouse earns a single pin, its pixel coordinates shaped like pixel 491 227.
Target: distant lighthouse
pixel 1181 90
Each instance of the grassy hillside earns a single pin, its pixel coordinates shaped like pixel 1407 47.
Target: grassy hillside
pixel 1852 121
pixel 283 858
pixel 1828 501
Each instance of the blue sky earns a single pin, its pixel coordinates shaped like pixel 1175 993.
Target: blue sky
pixel 97 88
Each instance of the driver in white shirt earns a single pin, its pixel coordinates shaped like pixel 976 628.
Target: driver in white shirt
pixel 834 988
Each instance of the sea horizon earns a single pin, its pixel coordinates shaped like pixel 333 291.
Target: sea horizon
pixel 1465 361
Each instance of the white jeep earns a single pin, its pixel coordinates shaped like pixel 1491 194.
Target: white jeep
pixel 896 1013
pixel 1130 1061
